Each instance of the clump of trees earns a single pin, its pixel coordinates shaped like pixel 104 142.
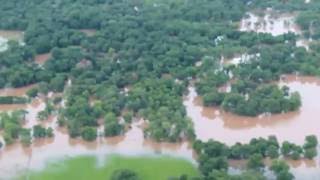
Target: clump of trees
pixel 13 100
pixel 41 132
pixel 11 124
pixel 214 155
pixel 130 65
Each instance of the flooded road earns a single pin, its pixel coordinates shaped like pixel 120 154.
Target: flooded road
pixel 214 123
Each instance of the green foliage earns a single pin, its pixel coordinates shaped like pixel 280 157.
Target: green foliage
pixel 112 127
pixel 89 133
pixel 281 170
pixel 41 132
pixel 13 100
pixel 12 125
pixel 33 92
pixel 255 162
pixel 145 168
pixel 25 137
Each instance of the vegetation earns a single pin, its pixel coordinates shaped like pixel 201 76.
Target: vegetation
pixel 13 100
pixel 11 124
pixel 214 156
pixel 144 168
pixel 131 65
pixel 41 132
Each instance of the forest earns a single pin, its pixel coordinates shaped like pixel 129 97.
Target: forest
pixel 140 61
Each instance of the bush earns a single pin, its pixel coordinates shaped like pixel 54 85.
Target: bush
pixel 33 92
pixel 89 133
pixel 124 174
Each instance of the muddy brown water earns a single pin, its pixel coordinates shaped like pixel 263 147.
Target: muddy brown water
pixel 15 159
pixel 214 123
pixel 209 123
pixel 42 58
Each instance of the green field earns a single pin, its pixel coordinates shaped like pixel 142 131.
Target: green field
pixel 85 168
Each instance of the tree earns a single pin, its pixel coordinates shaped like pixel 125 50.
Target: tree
pixel 39 131
pixel 310 153
pixel 112 126
pixel 89 134
pixel 25 137
pixel 33 92
pixel 310 142
pixel 255 162
pixel 273 151
pixel 49 132
pixel 281 170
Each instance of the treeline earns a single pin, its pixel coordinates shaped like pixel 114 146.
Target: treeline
pixel 213 156
pixel 13 131
pixel 13 100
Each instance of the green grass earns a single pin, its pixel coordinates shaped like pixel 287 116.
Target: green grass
pixel 85 168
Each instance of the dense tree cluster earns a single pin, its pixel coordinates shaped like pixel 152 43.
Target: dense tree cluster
pixel 11 124
pixel 129 67
pixel 214 155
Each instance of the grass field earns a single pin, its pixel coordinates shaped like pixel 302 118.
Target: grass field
pixel 85 168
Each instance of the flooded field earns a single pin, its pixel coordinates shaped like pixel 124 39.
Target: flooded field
pixel 214 123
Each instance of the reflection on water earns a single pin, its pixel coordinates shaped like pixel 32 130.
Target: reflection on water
pixel 214 123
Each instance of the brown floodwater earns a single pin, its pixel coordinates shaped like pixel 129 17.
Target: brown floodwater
pixel 209 123
pixel 18 159
pixel 214 123
pixel 42 58
pixel 15 91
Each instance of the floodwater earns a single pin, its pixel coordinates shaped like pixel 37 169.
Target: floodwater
pixel 271 22
pixel 16 159
pixel 42 58
pixel 209 123
pixel 5 36
pixel 214 123
pixel 15 91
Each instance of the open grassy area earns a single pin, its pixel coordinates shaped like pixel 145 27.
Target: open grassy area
pixel 85 168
